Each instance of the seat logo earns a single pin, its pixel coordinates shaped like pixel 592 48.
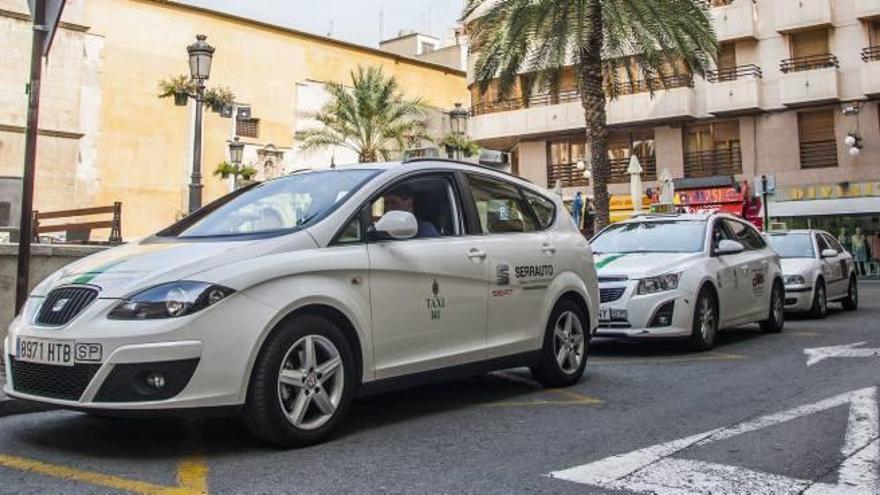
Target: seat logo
pixel 59 305
pixel 502 274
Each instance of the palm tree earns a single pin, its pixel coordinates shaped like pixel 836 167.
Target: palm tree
pixel 598 39
pixel 370 118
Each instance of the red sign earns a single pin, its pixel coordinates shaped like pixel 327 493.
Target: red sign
pixel 713 197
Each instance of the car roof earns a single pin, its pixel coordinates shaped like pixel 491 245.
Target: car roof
pixel 796 231
pixel 660 217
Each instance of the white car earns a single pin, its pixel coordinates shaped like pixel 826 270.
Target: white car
pixel 816 270
pixel 284 300
pixel 686 276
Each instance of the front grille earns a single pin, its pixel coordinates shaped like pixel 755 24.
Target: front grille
pixel 611 294
pixel 63 304
pixel 47 380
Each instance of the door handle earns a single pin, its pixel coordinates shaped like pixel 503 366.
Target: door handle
pixel 476 253
pixel 548 249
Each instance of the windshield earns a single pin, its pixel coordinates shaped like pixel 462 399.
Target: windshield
pixel 276 205
pixel 674 236
pixel 792 245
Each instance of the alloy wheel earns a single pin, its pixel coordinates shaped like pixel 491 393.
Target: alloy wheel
pixel 568 342
pixel 707 317
pixel 310 382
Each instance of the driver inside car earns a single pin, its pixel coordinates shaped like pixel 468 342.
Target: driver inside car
pixel 401 199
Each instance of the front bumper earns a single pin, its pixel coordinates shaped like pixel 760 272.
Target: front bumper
pixel 798 298
pixel 203 359
pixel 642 311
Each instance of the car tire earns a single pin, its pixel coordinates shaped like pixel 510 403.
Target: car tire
pixel 819 308
pixel 290 403
pixel 566 344
pixel 851 301
pixel 776 317
pixel 704 327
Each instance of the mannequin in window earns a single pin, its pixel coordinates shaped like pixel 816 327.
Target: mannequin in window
pixel 859 250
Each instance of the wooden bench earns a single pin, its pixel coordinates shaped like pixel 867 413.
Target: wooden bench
pixel 81 231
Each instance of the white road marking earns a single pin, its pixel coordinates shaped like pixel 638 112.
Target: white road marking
pixel 653 470
pixel 822 353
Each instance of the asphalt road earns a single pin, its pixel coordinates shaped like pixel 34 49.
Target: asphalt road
pixel 679 422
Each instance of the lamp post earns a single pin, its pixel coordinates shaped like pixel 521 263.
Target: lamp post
pixel 236 150
pixel 458 120
pixel 200 55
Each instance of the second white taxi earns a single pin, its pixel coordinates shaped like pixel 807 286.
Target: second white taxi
pixel 686 276
pixel 285 299
pixel 817 271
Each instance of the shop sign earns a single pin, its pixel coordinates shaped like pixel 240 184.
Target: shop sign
pixel 712 196
pixel 624 202
pixel 829 191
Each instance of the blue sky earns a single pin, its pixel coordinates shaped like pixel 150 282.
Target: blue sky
pixel 356 21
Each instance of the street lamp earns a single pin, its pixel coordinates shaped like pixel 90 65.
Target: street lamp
pixel 200 55
pixel 458 120
pixel 236 149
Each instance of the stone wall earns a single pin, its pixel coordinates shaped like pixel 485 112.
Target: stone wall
pixel 45 259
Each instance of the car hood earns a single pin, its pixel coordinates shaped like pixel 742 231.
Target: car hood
pixel 797 266
pixel 122 270
pixel 640 265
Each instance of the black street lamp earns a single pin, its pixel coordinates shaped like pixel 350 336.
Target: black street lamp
pixel 236 149
pixel 200 55
pixel 458 121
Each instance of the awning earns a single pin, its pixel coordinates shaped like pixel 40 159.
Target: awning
pixel 818 207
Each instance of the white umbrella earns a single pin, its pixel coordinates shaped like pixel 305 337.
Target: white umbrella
pixel 635 182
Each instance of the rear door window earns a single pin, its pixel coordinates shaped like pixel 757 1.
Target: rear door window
pixel 500 206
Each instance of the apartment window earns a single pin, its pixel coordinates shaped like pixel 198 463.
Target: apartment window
pixel 5 214
pixel 726 67
pixel 818 146
pixel 720 3
pixel 872 52
pixel 427 47
pixel 247 128
pixel 563 155
pixel 622 145
pixel 809 50
pixel 712 149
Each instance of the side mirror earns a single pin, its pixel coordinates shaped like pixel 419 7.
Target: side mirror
pixel 396 225
pixel 829 253
pixel 727 246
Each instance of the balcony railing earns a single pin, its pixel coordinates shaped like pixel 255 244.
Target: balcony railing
pixel 871 53
pixel 734 73
pixel 544 99
pixel 620 166
pixel 810 62
pixel 647 85
pixel 818 154
pixel 713 162
pixel 569 175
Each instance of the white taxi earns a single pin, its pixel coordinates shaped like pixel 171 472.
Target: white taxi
pixel 817 271
pixel 686 276
pixel 284 300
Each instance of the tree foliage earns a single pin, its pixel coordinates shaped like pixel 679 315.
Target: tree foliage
pixel 371 118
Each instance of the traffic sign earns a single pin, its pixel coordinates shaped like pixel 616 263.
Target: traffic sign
pixel 52 12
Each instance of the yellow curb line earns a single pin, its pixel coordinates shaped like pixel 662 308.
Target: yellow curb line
pixel 192 476
pixel 575 398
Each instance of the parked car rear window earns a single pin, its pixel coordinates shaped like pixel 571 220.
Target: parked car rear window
pixel 674 236
pixel 792 245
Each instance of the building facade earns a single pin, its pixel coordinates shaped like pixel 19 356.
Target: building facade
pixel 105 135
pixel 794 79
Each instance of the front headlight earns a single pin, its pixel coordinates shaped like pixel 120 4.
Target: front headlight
pixel 171 300
pixel 795 280
pixel 659 283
